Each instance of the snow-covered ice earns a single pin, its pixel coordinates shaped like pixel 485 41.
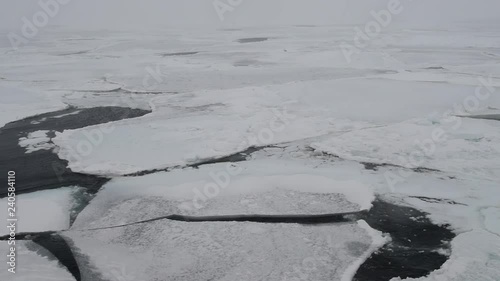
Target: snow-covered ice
pixel 35 141
pixel 19 102
pixel 255 187
pixel 223 250
pixel 468 147
pixel 229 250
pixel 178 132
pixel 390 104
pixel 378 240
pixel 42 210
pixel 492 219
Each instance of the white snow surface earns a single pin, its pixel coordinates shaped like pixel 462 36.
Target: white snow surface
pixel 21 101
pixel 35 141
pixel 178 132
pixel 257 187
pixel 41 211
pixel 464 146
pixel 223 250
pixel 226 251
pixel 297 90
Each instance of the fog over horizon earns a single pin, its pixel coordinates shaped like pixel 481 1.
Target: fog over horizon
pixel 202 13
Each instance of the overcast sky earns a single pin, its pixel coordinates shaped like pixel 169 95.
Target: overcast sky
pixel 142 13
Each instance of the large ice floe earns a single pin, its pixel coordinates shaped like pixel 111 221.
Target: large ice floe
pixel 44 210
pixel 458 146
pixel 259 187
pixel 178 131
pixel 227 250
pixel 19 102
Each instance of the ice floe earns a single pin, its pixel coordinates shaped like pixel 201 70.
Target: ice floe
pixel 42 210
pixel 35 141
